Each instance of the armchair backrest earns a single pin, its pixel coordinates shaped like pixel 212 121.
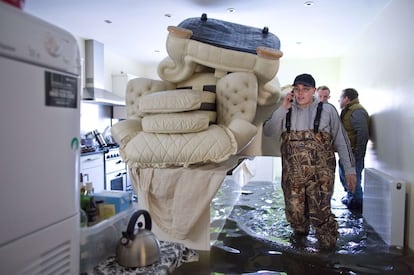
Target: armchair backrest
pixel 236 94
pixel 236 97
pixel 141 86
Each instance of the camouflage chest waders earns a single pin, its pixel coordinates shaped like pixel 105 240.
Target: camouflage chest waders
pixel 308 174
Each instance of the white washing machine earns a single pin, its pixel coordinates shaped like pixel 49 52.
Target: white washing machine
pixel 40 129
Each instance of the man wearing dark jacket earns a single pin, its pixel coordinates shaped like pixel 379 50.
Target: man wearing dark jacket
pixel 355 120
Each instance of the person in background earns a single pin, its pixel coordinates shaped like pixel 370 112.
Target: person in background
pixel 324 93
pixel 355 119
pixel 310 132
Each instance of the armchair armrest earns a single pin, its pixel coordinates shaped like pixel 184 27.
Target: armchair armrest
pixel 243 131
pixel 125 130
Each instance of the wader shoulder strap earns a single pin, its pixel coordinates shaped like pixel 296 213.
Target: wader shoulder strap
pixel 288 114
pixel 315 123
pixel 317 118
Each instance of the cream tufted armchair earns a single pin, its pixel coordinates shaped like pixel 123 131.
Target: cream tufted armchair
pixel 184 132
pixel 167 124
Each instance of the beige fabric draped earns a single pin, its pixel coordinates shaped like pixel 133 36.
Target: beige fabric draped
pixel 177 197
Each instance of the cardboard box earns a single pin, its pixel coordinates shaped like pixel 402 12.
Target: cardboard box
pixel 122 200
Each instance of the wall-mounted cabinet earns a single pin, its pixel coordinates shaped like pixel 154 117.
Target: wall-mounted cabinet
pixel 119 112
pixel 119 83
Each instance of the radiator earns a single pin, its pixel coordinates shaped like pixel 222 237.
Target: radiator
pixel 384 206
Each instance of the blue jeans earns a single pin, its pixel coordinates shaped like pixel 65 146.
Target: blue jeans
pixel 358 189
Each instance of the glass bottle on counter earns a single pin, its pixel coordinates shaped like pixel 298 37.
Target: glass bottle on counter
pixel 87 201
pixel 82 214
pixel 82 192
pixel 83 218
pixel 89 189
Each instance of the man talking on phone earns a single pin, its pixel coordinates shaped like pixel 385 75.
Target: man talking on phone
pixel 310 132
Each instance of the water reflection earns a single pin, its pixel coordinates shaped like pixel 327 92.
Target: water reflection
pixel 255 240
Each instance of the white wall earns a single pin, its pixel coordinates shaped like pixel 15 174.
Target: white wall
pixel 94 116
pixel 115 63
pixel 380 66
pixel 324 70
pixel 261 168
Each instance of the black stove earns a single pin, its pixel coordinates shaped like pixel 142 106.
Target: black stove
pixel 116 176
pixel 106 148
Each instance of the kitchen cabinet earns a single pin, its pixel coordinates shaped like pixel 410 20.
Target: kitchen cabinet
pixel 119 83
pixel 92 165
pixel 119 112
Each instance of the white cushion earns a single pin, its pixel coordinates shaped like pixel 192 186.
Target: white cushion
pixel 184 122
pixel 216 144
pixel 173 101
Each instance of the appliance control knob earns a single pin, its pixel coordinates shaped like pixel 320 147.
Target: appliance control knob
pixel 52 45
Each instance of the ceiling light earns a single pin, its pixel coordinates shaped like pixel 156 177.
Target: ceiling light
pixel 168 15
pixel 309 3
pixel 108 21
pixel 231 10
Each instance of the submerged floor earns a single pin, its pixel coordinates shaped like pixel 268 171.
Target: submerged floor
pixel 255 240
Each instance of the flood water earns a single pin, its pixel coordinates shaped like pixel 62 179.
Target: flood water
pixel 255 240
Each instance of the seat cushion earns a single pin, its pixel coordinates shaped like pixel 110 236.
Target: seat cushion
pixel 184 122
pixel 216 145
pixel 173 101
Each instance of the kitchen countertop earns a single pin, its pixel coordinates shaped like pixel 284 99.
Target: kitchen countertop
pixel 173 255
pixel 98 151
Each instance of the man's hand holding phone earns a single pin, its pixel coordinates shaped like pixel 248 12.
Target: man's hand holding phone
pixel 287 102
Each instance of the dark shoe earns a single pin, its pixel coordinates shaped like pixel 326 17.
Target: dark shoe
pixel 300 233
pixel 355 205
pixel 298 238
pixel 327 242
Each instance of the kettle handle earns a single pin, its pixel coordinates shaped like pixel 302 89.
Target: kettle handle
pixel 133 220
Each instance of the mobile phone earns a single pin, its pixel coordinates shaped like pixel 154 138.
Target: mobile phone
pixel 293 96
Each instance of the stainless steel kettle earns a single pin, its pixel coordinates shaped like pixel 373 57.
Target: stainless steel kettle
pixel 140 249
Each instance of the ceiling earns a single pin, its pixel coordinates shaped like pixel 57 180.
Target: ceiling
pixel 306 29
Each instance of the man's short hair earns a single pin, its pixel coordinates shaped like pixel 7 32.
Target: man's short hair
pixel 350 93
pixel 323 87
